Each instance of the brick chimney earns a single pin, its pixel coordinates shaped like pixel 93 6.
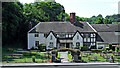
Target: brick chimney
pixel 72 18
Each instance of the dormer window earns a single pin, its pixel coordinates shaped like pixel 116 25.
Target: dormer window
pixel 36 35
pixel 77 36
pixel 50 37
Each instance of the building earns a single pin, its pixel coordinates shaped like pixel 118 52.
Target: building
pixel 72 34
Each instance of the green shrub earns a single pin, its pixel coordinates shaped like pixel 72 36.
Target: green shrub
pixel 42 47
pixel 107 48
pixel 92 46
pixel 33 58
pixel 81 47
pixel 77 47
pixel 85 48
pixel 96 49
pixel 100 47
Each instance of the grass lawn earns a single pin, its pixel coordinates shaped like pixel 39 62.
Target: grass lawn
pixel 99 58
pixel 26 58
pixel 70 57
pixel 58 56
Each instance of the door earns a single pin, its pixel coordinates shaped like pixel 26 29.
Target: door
pixel 67 45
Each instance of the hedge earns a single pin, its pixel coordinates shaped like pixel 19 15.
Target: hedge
pixel 96 49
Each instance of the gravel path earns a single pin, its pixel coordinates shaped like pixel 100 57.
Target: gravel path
pixel 64 56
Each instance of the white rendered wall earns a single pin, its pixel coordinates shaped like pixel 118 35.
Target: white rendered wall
pixel 48 40
pixel 80 40
pixel 32 39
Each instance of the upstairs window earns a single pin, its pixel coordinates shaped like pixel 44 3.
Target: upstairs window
pixel 50 37
pixel 77 37
pixel 36 35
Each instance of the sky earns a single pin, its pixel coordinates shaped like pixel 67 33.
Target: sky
pixel 87 8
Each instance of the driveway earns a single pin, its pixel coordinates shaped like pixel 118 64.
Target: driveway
pixel 64 56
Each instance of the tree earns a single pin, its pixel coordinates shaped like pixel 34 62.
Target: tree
pixel 13 23
pixel 43 11
pixel 99 20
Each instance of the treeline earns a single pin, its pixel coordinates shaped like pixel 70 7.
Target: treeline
pixel 17 18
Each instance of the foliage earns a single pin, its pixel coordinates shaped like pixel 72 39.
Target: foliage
pixel 42 47
pixel 97 50
pixel 85 48
pixel 33 58
pixel 100 47
pixel 107 48
pixel 14 23
pixel 17 18
pixel 92 46
pixel 77 47
pixel 43 11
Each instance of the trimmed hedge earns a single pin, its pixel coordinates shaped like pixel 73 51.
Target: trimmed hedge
pixel 96 49
pixel 84 48
pixel 100 47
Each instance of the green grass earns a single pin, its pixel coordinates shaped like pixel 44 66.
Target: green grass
pixel 70 57
pixel 100 59
pixel 58 56
pixel 27 58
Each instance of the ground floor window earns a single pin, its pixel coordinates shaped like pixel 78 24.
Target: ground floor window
pixel 36 43
pixel 51 44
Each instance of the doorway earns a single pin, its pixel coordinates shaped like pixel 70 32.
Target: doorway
pixel 67 45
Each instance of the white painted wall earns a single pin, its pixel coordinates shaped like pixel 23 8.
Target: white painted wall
pixel 48 40
pixel 32 39
pixel 80 40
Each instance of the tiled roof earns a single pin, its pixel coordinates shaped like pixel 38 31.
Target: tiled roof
pixel 46 27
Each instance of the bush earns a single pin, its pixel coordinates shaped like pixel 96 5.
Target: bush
pixel 107 48
pixel 33 58
pixel 77 47
pixel 85 48
pixel 96 49
pixel 42 47
pixel 100 47
pixel 92 46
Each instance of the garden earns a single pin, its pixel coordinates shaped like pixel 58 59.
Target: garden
pixel 19 55
pixel 78 54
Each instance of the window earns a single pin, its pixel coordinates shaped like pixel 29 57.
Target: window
pixel 88 40
pixel 51 44
pixel 85 39
pixel 70 35
pixel 50 37
pixel 66 36
pixel 36 35
pixel 91 39
pixel 92 43
pixel 92 35
pixel 36 43
pixel 77 36
pixel 94 39
pixel 77 44
pixel 45 35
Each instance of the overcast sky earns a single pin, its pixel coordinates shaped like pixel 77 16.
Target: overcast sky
pixel 87 8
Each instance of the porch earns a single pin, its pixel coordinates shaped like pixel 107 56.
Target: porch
pixel 65 44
